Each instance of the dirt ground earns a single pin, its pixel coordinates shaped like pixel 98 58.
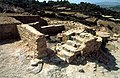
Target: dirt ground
pixel 15 64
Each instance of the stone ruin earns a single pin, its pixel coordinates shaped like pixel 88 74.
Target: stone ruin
pixel 74 43
pixel 35 40
pixel 8 28
pixel 30 29
pixel 77 42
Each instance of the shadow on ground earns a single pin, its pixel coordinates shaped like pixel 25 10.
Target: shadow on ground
pixel 107 60
pixel 53 59
pixel 2 42
pixel 102 58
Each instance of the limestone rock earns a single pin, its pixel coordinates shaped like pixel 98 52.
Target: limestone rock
pixel 78 43
pixel 35 62
pixel 36 40
pixel 35 69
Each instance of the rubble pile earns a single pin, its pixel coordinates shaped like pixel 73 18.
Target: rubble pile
pixel 68 24
pixel 31 29
pixel 77 42
pixel 61 41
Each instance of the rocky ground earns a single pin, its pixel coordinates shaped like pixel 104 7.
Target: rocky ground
pixel 15 64
pixel 68 24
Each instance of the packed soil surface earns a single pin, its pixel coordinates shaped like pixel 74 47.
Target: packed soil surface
pixel 8 20
pixel 15 64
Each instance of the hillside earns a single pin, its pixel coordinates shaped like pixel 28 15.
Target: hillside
pixel 108 4
pixel 115 8
pixel 58 40
pixel 86 8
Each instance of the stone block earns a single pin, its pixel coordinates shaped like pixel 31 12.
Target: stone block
pixel 36 40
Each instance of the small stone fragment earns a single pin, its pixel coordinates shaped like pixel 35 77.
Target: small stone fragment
pixel 35 62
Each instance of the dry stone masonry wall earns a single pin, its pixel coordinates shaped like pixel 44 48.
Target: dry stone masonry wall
pixel 77 42
pixel 36 40
pixel 8 28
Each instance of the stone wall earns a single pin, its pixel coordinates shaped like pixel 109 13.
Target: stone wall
pixel 109 26
pixel 92 46
pixel 52 29
pixel 31 19
pixel 8 28
pixel 36 40
pixel 78 43
pixel 8 31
